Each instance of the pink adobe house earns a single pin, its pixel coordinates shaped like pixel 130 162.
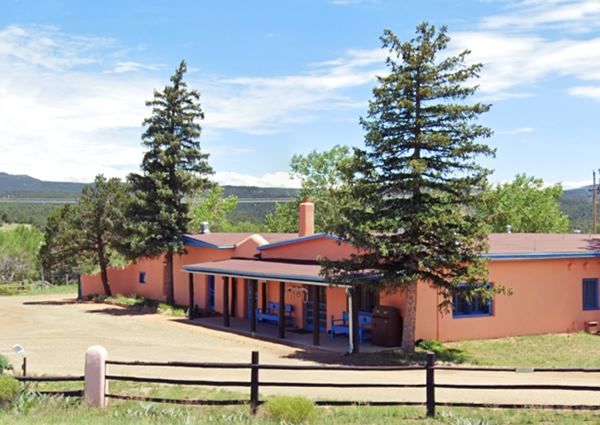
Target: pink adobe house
pixel 554 278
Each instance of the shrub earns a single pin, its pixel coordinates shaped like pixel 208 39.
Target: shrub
pixel 9 390
pixel 293 410
pixel 4 364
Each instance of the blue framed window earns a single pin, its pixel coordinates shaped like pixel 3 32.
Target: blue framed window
pixel 590 294
pixel 142 278
pixel 475 307
pixel 211 292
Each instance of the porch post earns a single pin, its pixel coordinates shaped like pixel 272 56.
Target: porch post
pixel 316 318
pixel 253 294
pixel 226 320
pixel 191 295
pixel 263 306
pixel 233 308
pixel 281 333
pixel 353 306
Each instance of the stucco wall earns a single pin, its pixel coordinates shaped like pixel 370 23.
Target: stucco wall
pixel 547 298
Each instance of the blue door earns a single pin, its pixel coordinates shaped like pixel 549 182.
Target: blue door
pixel 211 292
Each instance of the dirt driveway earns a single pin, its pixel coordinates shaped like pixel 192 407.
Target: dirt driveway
pixel 55 332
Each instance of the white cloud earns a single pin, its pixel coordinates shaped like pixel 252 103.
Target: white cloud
pixel 73 106
pixel 276 179
pixel 592 92
pixel 516 131
pixel 571 15
pixel 514 64
pixel 575 184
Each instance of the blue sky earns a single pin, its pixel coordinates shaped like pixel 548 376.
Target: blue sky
pixel 284 77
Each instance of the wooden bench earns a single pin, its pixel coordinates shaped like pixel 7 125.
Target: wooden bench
pixel 271 314
pixel 341 326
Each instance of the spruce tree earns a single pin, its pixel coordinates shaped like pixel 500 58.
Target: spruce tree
pixel 173 168
pixel 409 204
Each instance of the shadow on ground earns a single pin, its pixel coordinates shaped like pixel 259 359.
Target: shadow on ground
pixel 54 302
pixel 116 311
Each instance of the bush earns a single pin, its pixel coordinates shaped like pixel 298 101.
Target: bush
pixel 4 364
pixel 9 390
pixel 293 410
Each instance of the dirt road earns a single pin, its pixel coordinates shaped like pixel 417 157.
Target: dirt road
pixel 55 332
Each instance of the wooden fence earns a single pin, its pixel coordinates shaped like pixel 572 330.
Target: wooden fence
pixel 255 383
pixel 430 386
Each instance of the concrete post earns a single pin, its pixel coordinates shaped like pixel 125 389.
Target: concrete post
pixel 95 376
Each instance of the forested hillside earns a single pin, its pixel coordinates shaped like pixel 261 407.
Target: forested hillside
pixel 24 199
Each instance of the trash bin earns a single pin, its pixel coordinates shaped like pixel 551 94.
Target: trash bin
pixel 386 327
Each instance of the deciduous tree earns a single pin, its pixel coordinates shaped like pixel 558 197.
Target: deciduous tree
pixel 526 205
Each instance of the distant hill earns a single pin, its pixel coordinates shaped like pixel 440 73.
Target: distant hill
pixel 577 204
pixel 29 200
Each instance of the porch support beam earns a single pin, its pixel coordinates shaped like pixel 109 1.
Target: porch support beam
pixel 281 330
pixel 191 296
pixel 253 296
pixel 353 306
pixel 316 319
pixel 263 304
pixel 233 309
pixel 226 319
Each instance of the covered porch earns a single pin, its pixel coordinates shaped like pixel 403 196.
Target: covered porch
pixel 276 300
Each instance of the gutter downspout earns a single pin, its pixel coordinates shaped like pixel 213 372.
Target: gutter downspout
pixel 350 321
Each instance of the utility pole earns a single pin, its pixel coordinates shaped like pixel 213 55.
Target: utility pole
pixel 594 203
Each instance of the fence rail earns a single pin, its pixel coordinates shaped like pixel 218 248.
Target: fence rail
pixel 62 393
pixel 254 383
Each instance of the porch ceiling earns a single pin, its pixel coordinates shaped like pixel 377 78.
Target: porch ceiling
pixel 265 270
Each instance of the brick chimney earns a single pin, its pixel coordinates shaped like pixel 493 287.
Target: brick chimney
pixel 306 218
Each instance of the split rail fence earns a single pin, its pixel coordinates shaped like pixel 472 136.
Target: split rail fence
pixel 255 383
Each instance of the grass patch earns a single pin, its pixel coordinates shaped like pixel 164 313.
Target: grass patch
pixel 36 289
pixel 140 303
pixel 551 350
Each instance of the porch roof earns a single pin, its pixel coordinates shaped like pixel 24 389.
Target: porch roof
pixel 261 269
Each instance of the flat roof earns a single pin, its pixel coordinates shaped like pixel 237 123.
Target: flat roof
pixel 261 269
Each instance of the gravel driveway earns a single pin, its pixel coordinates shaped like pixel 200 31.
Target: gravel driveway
pixel 55 332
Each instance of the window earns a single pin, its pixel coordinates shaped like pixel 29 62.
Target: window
pixel 590 294
pixel 461 307
pixel 142 277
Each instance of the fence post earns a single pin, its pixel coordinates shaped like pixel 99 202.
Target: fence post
pixel 24 366
pixel 254 383
pixel 430 384
pixel 95 376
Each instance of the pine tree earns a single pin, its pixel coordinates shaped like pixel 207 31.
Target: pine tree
pixel 411 194
pixel 173 168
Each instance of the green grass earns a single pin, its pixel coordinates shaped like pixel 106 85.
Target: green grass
pixel 138 302
pixel 551 350
pixel 73 412
pixel 55 411
pixel 32 289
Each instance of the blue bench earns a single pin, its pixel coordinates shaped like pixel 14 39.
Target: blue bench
pixel 342 327
pixel 271 314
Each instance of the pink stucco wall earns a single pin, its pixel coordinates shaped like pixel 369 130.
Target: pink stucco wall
pixel 547 298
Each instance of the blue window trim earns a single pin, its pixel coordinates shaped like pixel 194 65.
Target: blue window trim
pixel 585 301
pixel 142 278
pixel 462 315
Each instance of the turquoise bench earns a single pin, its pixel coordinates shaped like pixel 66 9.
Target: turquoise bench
pixel 271 314
pixel 342 327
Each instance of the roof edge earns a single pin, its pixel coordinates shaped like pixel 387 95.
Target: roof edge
pixel 188 240
pixel 299 239
pixel 542 255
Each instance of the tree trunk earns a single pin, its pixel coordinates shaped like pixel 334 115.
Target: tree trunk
pixel 103 269
pixel 170 289
pixel 410 320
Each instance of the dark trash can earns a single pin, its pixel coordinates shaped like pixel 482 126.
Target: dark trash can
pixel 387 326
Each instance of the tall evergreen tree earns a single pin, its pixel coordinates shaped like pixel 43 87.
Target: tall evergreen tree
pixel 412 192
pixel 173 168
